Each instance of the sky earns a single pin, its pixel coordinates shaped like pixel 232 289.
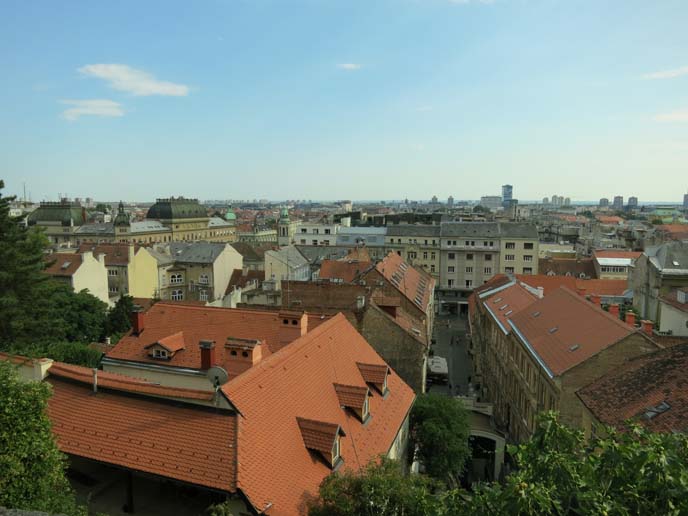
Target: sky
pixel 351 99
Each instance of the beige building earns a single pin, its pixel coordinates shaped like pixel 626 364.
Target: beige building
pixel 614 264
pixel 417 244
pixel 131 269
pixel 81 271
pixel 534 354
pixel 286 264
pixel 59 221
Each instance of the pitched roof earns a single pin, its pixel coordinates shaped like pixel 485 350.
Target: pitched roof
pixel 63 264
pixel 318 435
pixel 344 270
pixel 508 301
pixel 199 323
pixel 603 287
pixel 418 230
pixel 548 283
pixel 671 298
pixel 616 253
pixel 252 253
pixel 638 389
pixel 144 435
pixel 115 254
pixel 567 266
pixel 275 467
pixel 563 329
pixel 196 252
pixel 414 284
pixel 240 280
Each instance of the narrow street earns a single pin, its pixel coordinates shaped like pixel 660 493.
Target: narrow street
pixel 450 342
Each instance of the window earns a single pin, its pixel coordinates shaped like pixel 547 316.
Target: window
pixel 303 241
pixel 316 231
pixel 510 245
pixel 469 270
pixel 488 270
pixel 426 242
pixel 327 231
pixel 528 258
pixel 432 269
pixel 451 256
pixel 450 283
pixel 527 270
pixel 509 270
pixel 509 257
pixel 411 255
pixel 485 244
pixel 469 256
pixel 177 295
pixel 469 283
pixel 450 268
pixel 160 353
pixel 112 272
pixel 425 255
pixel 488 257
pixel 113 290
pixel 432 255
pixel 176 279
pixel 365 408
pixel 314 242
pixel 468 242
pixel 203 295
pixel 335 450
pixel 304 230
pixel 203 279
pixel 398 240
pixel 527 245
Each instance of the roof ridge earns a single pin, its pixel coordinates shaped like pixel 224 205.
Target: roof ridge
pixel 287 351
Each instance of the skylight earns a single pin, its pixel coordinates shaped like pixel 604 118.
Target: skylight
pixel 574 347
pixel 536 314
pixel 553 330
pixel 657 410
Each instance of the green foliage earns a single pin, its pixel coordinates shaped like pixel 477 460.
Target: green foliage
pixel 220 509
pixel 32 470
pixel 118 319
pixel 102 207
pixel 657 222
pixel 439 432
pixel 381 489
pixel 73 353
pixel 480 209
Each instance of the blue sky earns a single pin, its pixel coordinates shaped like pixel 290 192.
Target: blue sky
pixel 327 99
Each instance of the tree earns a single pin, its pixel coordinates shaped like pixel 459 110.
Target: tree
pixel 381 489
pixel 480 209
pixel 118 319
pixel 439 434
pixel 32 469
pixel 21 263
pixel 104 208
pixel 629 472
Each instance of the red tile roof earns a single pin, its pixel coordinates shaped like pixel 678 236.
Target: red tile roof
pixel 564 329
pixel 351 396
pixel 346 271
pixel 644 383
pixel 416 285
pixel 145 435
pixel 115 254
pixel 63 264
pixel 318 435
pixel 240 280
pixel 603 287
pixel 507 302
pixel 607 219
pixel 548 283
pixel 671 298
pixel 616 253
pixel 276 469
pixel 200 323
pixel 171 343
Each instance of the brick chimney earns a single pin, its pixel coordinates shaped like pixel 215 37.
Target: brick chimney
pixel 138 319
pixel 242 354
pixel 614 309
pixel 647 327
pixel 630 319
pixel 293 325
pixel 595 299
pixel 207 354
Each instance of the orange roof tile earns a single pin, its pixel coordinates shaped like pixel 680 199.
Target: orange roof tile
pixel 642 383
pixel 506 302
pixel 318 435
pixel 163 320
pixel 548 283
pixel 345 271
pixel 603 287
pixel 63 264
pixel 609 219
pixel 115 254
pixel 171 343
pixel 145 435
pixel 416 285
pixel 276 470
pixel 351 396
pixel 616 253
pixel 563 330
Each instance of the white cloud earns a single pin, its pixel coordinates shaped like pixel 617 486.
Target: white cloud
pixel 95 107
pixel 137 82
pixel 349 66
pixel 674 116
pixel 667 74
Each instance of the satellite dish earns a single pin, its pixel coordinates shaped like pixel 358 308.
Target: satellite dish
pixel 217 376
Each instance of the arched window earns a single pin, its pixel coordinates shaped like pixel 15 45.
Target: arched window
pixel 177 295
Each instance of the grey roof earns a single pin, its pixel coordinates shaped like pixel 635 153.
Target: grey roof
pixel 218 222
pixel 316 254
pixel 290 255
pixel 251 252
pixel 161 257
pixel 146 226
pixel 196 252
pixel 421 230
pixel 362 230
pixel 489 229
pixel 102 228
pixel 670 258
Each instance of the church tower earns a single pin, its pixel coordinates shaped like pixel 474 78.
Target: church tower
pixel 284 228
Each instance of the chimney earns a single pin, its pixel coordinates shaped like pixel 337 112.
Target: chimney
pixel 630 319
pixel 614 309
pixel 647 327
pixel 242 354
pixel 95 380
pixel 581 292
pixel 207 354
pixel 541 292
pixel 40 368
pixel 360 302
pixel 293 325
pixel 101 258
pixel 595 299
pixel 138 318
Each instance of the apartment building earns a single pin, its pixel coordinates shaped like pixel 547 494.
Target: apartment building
pixel 534 353
pixel 81 271
pixel 614 264
pixel 316 234
pixel 417 244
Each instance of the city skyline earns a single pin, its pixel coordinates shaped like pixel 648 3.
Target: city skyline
pixel 327 100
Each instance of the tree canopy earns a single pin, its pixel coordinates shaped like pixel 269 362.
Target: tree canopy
pixel 439 433
pixel 32 469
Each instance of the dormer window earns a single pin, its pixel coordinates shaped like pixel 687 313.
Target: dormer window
pixel 322 438
pixel 375 375
pixel 335 450
pixel 366 408
pixel 160 353
pixel 167 347
pixel 354 398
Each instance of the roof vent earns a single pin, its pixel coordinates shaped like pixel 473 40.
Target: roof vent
pixel 574 347
pixel 497 300
pixel 503 307
pixel 509 312
pixel 657 410
pixel 554 330
pixel 536 314
pixel 66 265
